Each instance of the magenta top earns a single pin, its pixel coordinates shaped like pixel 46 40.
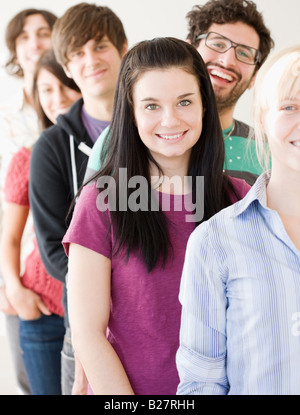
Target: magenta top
pixel 145 311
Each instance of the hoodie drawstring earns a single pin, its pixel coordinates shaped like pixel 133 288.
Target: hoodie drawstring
pixel 73 163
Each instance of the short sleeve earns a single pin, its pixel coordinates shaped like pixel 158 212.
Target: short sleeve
pixel 94 159
pixel 17 179
pixel 89 227
pixel 241 188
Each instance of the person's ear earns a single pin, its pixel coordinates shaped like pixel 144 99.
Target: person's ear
pixel 262 119
pixel 67 72
pixel 124 49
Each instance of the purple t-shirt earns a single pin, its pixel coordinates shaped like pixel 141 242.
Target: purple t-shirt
pixel 145 311
pixel 93 126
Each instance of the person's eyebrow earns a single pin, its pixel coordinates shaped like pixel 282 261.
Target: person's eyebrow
pixel 179 97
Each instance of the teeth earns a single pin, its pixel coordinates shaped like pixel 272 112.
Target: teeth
pixel 170 137
pixel 34 58
pixel 296 143
pixel 221 75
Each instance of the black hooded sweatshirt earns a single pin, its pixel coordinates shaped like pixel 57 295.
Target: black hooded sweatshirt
pixel 52 185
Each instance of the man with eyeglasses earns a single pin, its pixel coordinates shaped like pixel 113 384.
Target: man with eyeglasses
pixel 234 42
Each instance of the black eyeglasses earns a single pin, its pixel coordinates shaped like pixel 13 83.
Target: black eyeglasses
pixel 222 44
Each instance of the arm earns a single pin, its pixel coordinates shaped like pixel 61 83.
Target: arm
pixel 201 358
pixel 89 283
pixel 80 385
pixel 5 305
pixel 27 304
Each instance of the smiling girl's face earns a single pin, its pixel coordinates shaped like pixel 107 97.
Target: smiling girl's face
pixel 55 97
pixel 168 113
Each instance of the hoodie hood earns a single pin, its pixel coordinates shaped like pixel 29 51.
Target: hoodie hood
pixel 71 123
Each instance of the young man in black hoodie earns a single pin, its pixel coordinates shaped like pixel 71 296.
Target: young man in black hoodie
pixel 89 41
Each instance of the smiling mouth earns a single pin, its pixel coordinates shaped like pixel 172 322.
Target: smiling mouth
pixel 219 74
pixel 35 57
pixel 95 74
pixel 171 137
pixel 295 143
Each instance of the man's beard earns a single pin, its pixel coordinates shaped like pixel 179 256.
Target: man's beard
pixel 227 100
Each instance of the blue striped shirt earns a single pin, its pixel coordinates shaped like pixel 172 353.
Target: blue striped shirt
pixel 240 295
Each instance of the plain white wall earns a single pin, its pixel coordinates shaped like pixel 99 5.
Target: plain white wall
pixel 145 19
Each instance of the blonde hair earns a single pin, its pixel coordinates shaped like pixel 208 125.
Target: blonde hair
pixel 278 79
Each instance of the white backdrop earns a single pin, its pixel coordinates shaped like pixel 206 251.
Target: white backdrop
pixel 144 19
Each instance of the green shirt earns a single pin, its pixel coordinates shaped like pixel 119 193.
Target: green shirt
pixel 94 159
pixel 240 154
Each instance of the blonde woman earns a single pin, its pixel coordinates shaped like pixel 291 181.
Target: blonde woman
pixel 240 289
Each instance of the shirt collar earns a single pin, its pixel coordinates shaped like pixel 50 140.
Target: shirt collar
pixel 257 192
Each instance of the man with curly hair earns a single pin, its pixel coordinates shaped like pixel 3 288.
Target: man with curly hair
pixel 233 41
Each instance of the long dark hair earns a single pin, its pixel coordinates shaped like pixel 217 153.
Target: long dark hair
pixel 146 231
pixel 48 61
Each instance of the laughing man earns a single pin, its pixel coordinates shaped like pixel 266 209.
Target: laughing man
pixel 234 42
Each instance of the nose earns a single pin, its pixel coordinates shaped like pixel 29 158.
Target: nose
pixel 91 57
pixel 59 96
pixel 228 58
pixel 170 118
pixel 34 42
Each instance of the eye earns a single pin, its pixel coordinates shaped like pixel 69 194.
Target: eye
pixel 22 37
pixel 184 103
pixel 151 107
pixel 289 108
pixel 75 54
pixel 244 53
pixel 220 45
pixel 44 91
pixel 44 34
pixel 101 46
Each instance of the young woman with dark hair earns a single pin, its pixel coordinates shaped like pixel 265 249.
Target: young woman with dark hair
pixel 49 76
pixel 125 257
